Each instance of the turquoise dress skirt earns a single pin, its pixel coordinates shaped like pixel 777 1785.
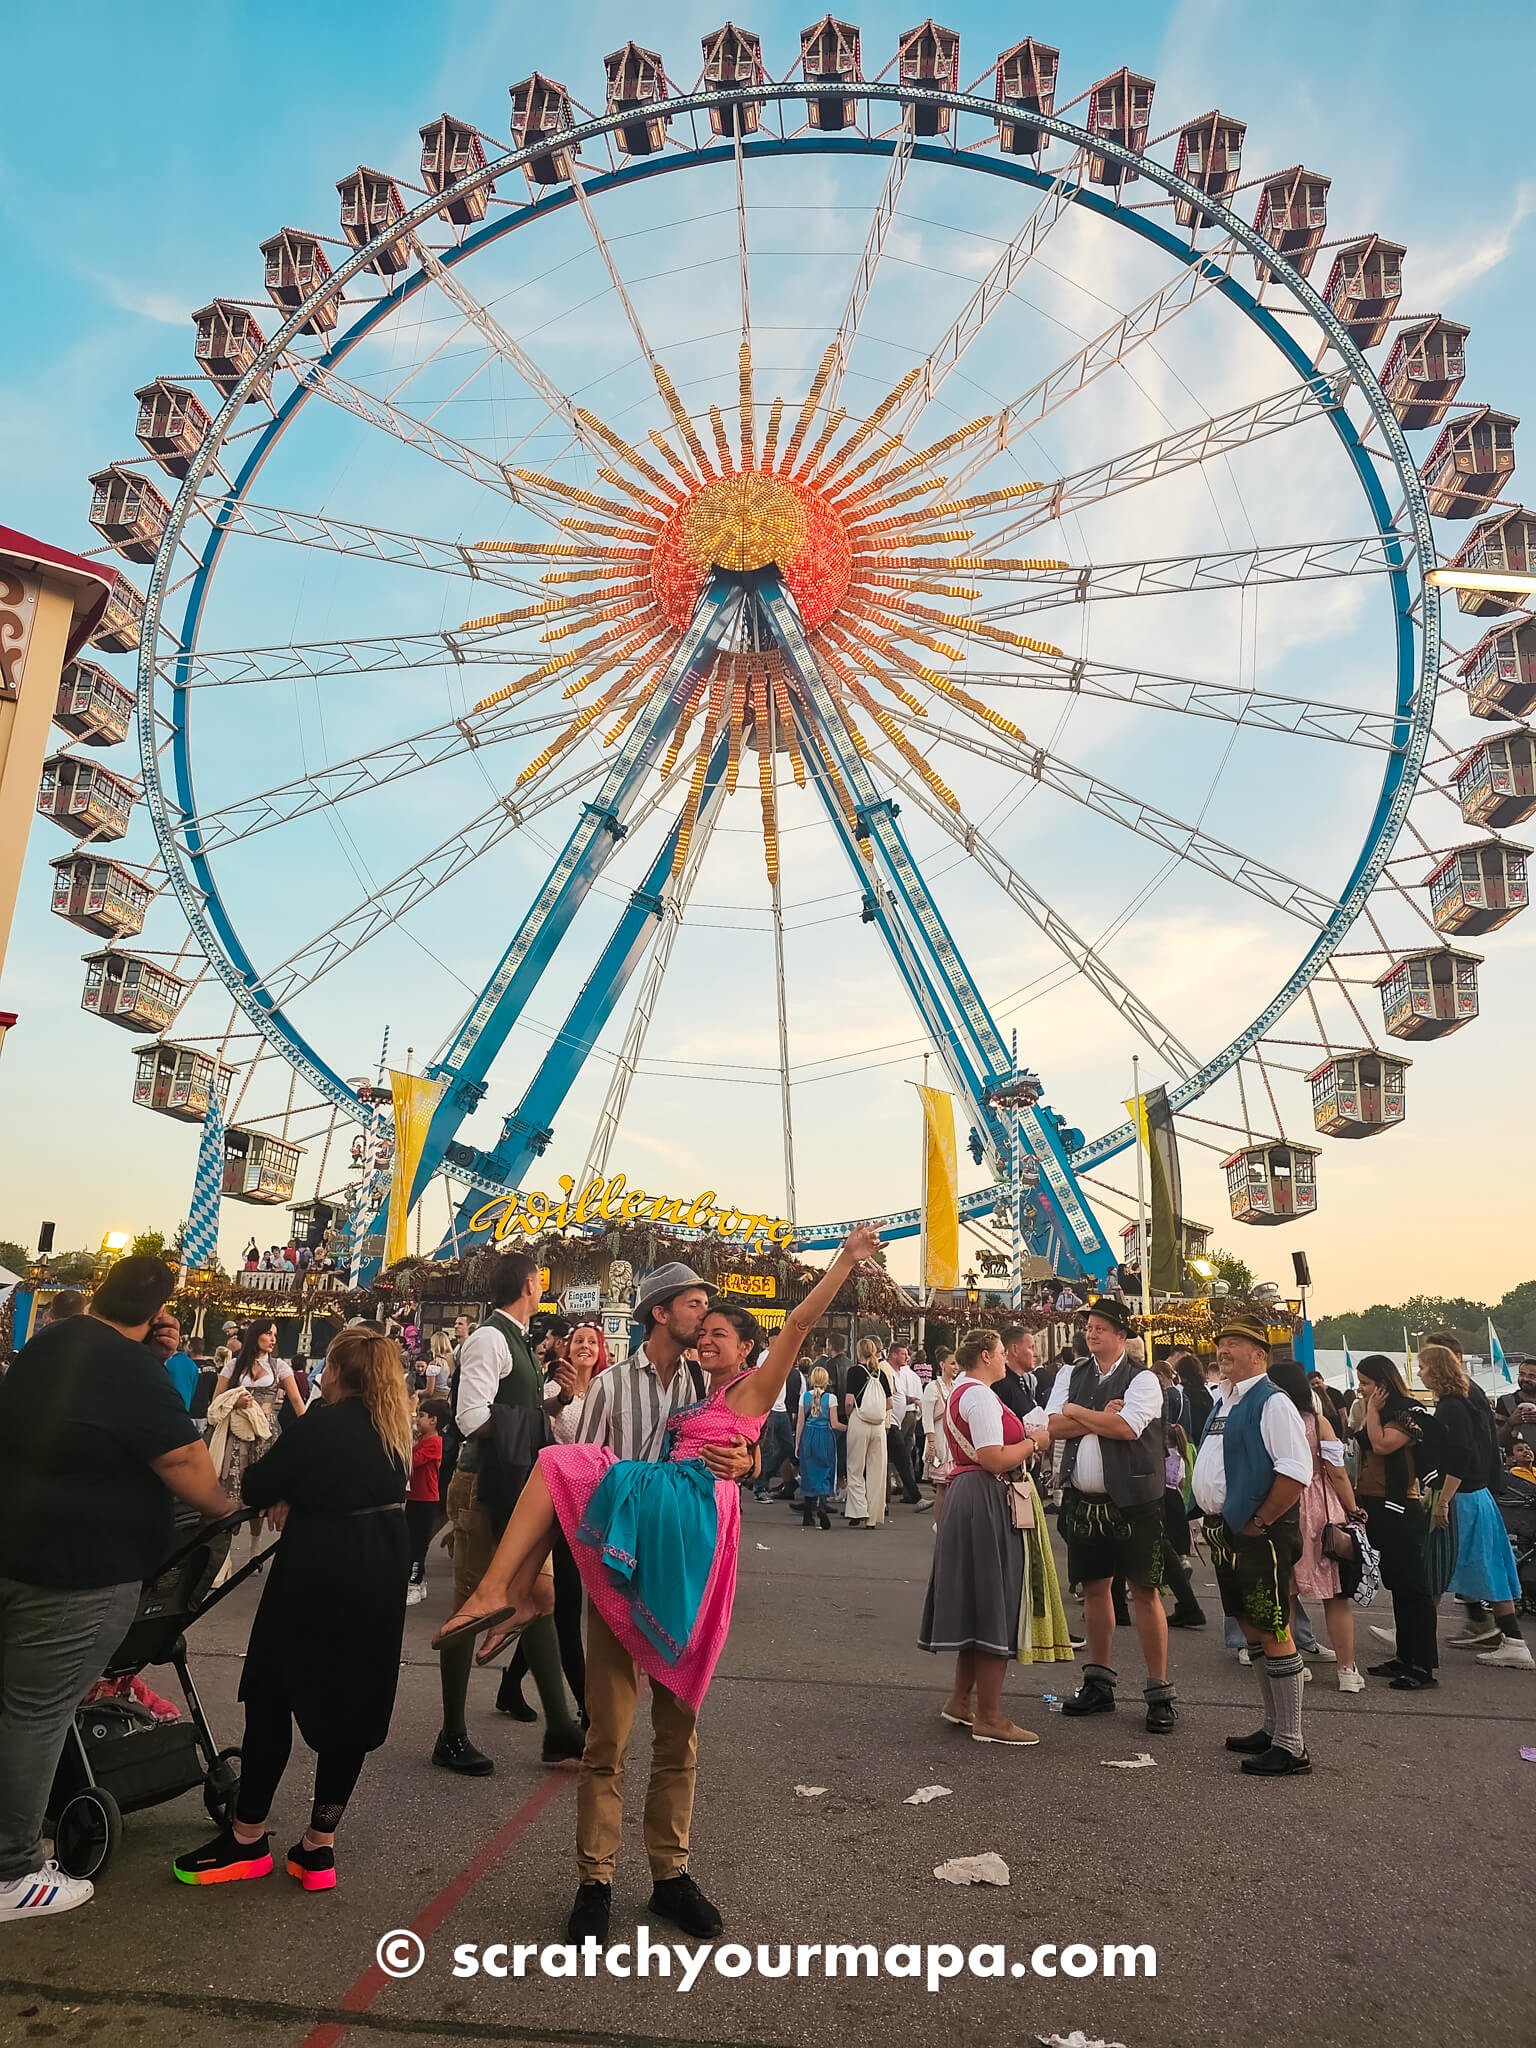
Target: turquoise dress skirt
pixel 818 1450
pixel 655 1527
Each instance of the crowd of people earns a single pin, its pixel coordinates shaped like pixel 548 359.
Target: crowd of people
pixel 592 1513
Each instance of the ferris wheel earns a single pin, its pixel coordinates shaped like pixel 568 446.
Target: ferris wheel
pixel 983 506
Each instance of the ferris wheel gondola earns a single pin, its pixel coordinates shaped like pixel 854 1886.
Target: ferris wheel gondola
pixel 821 596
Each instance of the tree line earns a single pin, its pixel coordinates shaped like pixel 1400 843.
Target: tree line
pixel 1381 1327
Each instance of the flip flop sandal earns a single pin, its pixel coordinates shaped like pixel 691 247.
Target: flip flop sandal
pixel 502 1634
pixel 451 1631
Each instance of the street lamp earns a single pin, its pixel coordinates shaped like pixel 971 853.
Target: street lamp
pixel 1203 1269
pixel 972 1287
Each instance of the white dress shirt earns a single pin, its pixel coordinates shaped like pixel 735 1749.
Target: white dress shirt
pixel 908 1394
pixel 1142 1404
pixel 484 1362
pixel 1285 1439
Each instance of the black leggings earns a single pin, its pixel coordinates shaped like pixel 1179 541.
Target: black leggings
pixel 421 1517
pixel 1400 1537
pixel 264 1757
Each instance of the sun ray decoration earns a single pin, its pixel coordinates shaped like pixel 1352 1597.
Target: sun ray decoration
pixel 859 528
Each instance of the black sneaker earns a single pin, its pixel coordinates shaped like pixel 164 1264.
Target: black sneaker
pixel 1077 1642
pixel 458 1753
pixel 679 1900
pixel 1393 1668
pixel 591 1913
pixel 1250 1745
pixel 562 1750
pixel 1194 1617
pixel 225 1860
pixel 315 1869
pixel 1276 1762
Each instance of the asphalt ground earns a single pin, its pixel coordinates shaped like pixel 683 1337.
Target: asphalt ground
pixel 1384 1899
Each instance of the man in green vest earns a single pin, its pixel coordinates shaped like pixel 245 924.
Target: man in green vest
pixel 496 1367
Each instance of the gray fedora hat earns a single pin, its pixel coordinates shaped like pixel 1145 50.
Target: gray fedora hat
pixel 663 1284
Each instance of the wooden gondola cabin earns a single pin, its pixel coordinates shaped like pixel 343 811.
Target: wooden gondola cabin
pixel 122 623
pixel 541 107
pixel 1496 782
pixel 1470 464
pixel 172 424
pixel 1119 109
pixel 929 55
pixel 1210 154
pixel 129 990
pixel 733 57
pixel 830 57
pixel 1026 80
pixel 1357 1094
pixel 637 79
pixel 85 798
pixel 128 512
pixel 370 206
pixel 259 1167
pixel 93 705
pixel 1504 545
pixel 1424 370
pixel 451 150
pixel 227 345
pixel 1196 1236
pixel 1272 1183
pixel 1429 993
pixel 99 895
pixel 1293 215
pixel 1477 888
pixel 1365 288
pixel 297 265
pixel 1499 675
pixel 179 1080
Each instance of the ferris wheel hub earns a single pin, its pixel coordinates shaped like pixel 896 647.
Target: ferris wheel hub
pixel 751 521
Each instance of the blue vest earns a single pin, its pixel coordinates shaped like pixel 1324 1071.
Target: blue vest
pixel 1249 1468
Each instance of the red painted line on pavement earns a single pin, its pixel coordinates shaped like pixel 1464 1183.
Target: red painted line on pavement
pixel 360 1996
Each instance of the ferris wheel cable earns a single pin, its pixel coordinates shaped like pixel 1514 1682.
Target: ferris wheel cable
pixel 1174 835
pixel 1080 956
pixel 1185 575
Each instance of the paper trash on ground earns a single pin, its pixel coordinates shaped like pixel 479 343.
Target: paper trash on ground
pixel 810 1791
pixel 1142 1761
pixel 1076 2039
pixel 924 1793
pixel 987 1869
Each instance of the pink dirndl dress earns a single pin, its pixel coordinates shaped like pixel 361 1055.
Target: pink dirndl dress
pixel 1316 1576
pixel 643 1532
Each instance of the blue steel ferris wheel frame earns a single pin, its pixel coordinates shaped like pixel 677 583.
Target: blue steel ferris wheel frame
pixel 1417 659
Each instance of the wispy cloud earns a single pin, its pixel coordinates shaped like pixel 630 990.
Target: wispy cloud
pixel 1441 272
pixel 166 309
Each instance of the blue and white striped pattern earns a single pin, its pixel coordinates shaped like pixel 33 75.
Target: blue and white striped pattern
pixel 202 1238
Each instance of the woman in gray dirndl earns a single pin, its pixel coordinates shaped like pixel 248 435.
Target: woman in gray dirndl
pixel 975 1590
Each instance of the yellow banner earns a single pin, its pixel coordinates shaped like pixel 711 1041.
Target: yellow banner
pixel 415 1098
pixel 941 1222
pixel 1136 1110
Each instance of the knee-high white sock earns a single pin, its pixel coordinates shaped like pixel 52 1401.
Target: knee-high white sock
pixel 1285 1681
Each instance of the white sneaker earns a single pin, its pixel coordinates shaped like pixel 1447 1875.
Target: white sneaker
pixel 1321 1652
pixel 49 1890
pixel 1306 1674
pixel 1385 1635
pixel 1511 1655
pixel 414 1595
pixel 1351 1680
pixel 1245 1656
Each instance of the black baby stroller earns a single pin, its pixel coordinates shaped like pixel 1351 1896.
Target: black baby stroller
pixel 1516 1499
pixel 117 1758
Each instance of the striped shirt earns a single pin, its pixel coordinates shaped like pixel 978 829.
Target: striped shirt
pixel 627 1408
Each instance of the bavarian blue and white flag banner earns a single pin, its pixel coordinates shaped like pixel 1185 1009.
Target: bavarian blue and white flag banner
pixel 202 1240
pixel 1496 1353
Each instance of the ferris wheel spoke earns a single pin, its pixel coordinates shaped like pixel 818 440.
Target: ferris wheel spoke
pixel 396 898
pixel 320 788
pixel 880 226
pixel 351 537
pixel 1049 589
pixel 323 660
pixel 1175 836
pixel 1186 448
pixel 994 289
pixel 416 433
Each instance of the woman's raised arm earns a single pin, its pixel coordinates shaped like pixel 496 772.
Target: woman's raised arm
pixel 757 1394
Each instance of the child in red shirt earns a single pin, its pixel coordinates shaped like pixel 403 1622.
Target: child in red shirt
pixel 421 1498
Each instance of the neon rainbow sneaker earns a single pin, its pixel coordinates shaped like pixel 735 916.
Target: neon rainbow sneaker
pixel 224 1860
pixel 315 1869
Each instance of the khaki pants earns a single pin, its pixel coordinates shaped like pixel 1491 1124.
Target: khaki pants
pixel 612 1682
pixel 866 1471
pixel 474 1535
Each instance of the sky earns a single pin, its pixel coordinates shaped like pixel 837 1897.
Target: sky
pixel 116 241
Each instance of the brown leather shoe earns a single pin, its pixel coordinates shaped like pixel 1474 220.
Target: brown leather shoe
pixel 1003 1731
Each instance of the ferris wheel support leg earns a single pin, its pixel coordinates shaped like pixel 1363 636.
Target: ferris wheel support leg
pixel 529 1128
pixel 928 958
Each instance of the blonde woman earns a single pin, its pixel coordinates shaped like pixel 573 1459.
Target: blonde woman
pixel 816 1432
pixel 1466 1449
pixel 938 1459
pixel 867 1404
pixel 440 1363
pixel 325 1644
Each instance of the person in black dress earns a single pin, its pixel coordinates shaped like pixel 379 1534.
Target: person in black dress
pixel 325 1644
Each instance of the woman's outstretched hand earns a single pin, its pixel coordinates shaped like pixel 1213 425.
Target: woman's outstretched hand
pixel 861 1244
